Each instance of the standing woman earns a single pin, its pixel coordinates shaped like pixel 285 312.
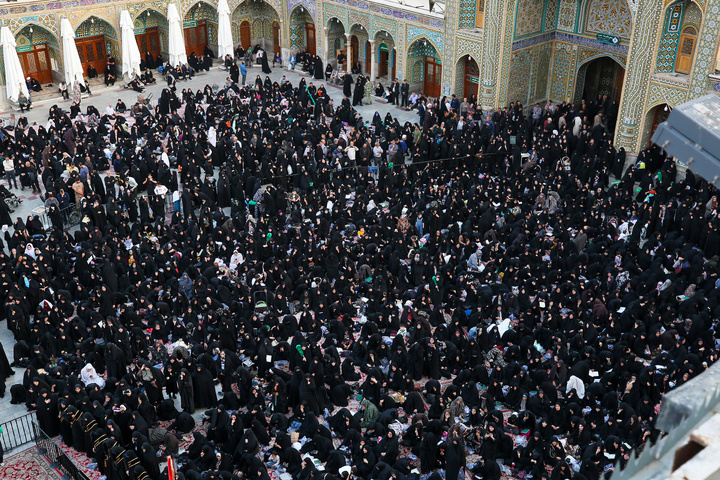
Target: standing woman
pixel 187 393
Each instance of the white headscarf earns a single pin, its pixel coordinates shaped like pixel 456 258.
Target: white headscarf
pixel 90 376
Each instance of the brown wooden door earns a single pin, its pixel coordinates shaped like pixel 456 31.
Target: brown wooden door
pixel 92 52
pixel 353 51
pixel 149 42
pixel 659 117
pixel 276 37
pixel 368 57
pixel 196 39
pixel 245 34
pixel 383 63
pixel 472 74
pixel 433 75
pixel 310 29
pixel 36 63
pixel 686 50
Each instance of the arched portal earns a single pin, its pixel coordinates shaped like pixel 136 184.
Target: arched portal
pixel 200 28
pixel 655 116
pixel 256 22
pixel 151 34
pixel 38 50
pixel 96 41
pixel 337 43
pixel 599 77
pixel 386 56
pixel 424 68
pixel 467 72
pixel 302 30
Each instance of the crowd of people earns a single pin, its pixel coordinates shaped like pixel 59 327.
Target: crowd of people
pixel 478 293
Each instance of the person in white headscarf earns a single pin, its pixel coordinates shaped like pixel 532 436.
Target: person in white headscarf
pixel 90 376
pixel 30 250
pixel 212 136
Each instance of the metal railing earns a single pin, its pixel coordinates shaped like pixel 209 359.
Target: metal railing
pixel 18 431
pixel 49 449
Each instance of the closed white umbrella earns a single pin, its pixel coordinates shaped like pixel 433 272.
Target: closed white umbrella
pixel 130 52
pixel 225 40
pixel 14 77
pixel 71 59
pixel 176 42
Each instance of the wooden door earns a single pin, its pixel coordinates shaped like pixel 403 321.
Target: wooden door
pixel 149 42
pixel 353 51
pixel 368 57
pixel 245 34
pixel 310 29
pixel 433 75
pixel 383 63
pixel 36 63
pixel 196 39
pixel 276 37
pixel 92 52
pixel 659 117
pixel 472 78
pixel 686 50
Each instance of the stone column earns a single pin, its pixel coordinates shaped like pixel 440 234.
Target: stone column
pixel 373 63
pixel 326 41
pixel 348 61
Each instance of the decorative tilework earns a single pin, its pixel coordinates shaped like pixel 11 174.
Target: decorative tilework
pixel 671 95
pixel 359 19
pixel 674 19
pixel 693 15
pixel 666 51
pixel 529 16
pixel 560 70
pixel 551 10
pixel 466 46
pixel 611 17
pixel 519 84
pixel 705 48
pixel 543 73
pixel 467 14
pixel 569 38
pixel 331 11
pixel 433 37
pixel 567 15
pixel 378 24
pixel 308 4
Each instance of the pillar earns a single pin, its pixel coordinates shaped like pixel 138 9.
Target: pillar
pixel 373 63
pixel 326 47
pixel 348 47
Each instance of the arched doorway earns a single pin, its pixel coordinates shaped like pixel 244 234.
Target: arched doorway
pixel 424 67
pixel 36 46
pixel 601 76
pixel 468 75
pixel 96 40
pixel 151 30
pixel 302 30
pixel 655 117
pixel 337 43
pixel 354 50
pixel 276 37
pixel 385 55
pixel 245 37
pixel 256 22
pixel 198 19
pixel 686 50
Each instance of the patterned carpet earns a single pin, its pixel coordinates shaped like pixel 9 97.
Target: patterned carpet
pixel 28 464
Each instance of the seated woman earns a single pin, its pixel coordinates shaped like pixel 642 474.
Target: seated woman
pixel 92 72
pixel 277 59
pixel 356 68
pixel 328 72
pixel 379 90
pixel 389 95
pixel 136 85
